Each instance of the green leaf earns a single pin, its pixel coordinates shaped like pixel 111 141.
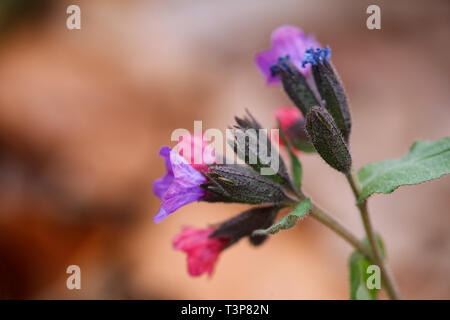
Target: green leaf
pixel 358 265
pixel 358 288
pixel 380 244
pixel 297 170
pixel 304 146
pixel 289 220
pixel 426 160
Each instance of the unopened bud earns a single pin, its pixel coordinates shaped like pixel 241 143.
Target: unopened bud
pixel 239 183
pixel 295 85
pixel 330 88
pixel 245 223
pixel 327 139
pixel 252 144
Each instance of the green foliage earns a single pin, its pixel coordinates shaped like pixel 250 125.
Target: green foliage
pixel 289 220
pixel 304 146
pixel 358 277
pixel 358 265
pixel 297 170
pixel 426 160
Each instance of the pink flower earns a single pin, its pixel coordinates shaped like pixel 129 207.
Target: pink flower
pixel 197 151
pixel 287 116
pixel 287 41
pixel 202 251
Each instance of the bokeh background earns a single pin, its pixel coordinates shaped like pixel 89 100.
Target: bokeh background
pixel 83 114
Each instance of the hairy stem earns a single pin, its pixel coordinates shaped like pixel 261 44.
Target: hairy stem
pixel 337 227
pixel 388 279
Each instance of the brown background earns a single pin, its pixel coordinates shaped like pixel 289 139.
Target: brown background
pixel 84 113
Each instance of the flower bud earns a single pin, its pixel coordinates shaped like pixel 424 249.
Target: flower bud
pixel 327 139
pixel 202 250
pixel 292 125
pixel 295 85
pixel 239 183
pixel 252 145
pixel 330 88
pixel 245 223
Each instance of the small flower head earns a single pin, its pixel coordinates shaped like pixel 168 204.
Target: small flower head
pixel 287 116
pixel 202 251
pixel 197 151
pixel 314 56
pixel 179 186
pixel 287 41
pixel 292 126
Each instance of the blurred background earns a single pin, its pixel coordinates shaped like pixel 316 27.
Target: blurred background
pixel 83 114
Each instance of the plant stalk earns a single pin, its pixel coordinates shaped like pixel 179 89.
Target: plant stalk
pixel 337 227
pixel 388 278
pixel 333 224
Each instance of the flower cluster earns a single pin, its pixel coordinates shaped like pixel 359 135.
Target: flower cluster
pixel 304 69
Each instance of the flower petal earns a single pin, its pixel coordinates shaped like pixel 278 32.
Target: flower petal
pixel 183 189
pixel 202 251
pixel 285 41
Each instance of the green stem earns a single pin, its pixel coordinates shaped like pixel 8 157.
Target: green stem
pixel 337 227
pixel 388 279
pixel 333 224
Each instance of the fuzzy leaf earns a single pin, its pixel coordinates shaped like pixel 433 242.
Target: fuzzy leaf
pixel 426 160
pixel 358 265
pixel 289 220
pixel 358 288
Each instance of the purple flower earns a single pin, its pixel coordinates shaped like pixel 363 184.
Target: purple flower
pixel 179 186
pixel 287 41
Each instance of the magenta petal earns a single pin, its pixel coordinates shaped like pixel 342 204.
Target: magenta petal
pixel 202 251
pixel 285 41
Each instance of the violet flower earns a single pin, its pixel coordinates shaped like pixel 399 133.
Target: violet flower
pixel 179 186
pixel 287 41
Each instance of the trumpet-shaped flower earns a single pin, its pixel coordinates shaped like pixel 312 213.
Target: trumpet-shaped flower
pixel 202 251
pixel 287 41
pixel 179 186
